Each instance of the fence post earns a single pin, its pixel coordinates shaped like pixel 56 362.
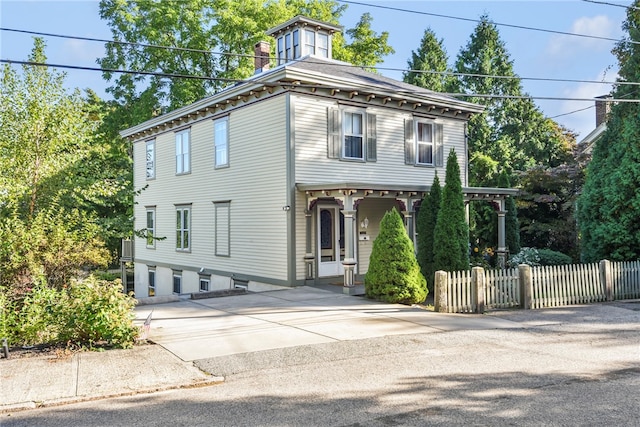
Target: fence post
pixel 606 278
pixel 478 285
pixel 440 297
pixel 526 285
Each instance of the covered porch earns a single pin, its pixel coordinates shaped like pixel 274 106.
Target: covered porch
pixel 342 219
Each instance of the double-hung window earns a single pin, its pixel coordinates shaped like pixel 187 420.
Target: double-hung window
pixel 309 42
pixel 183 149
pixel 351 135
pixel 221 141
pixel 151 227
pixel 424 143
pixel 183 228
pixel 151 159
pixel 323 45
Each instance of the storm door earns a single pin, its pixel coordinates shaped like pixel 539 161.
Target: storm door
pixel 330 234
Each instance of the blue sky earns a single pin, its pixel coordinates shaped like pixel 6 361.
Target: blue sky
pixel 535 54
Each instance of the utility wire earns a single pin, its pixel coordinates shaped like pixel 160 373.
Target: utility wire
pixel 611 4
pixel 500 24
pixel 403 92
pixel 450 73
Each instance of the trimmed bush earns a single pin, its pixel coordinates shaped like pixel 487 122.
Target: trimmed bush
pixel 549 257
pixel 394 274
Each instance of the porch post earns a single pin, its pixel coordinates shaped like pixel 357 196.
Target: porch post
pixel 502 246
pixel 349 261
pixel 308 256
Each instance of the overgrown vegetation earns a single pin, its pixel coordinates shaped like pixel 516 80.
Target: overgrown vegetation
pixel 394 274
pixel 87 313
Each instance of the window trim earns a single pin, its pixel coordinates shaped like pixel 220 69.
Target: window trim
pixel 151 284
pixel 224 119
pixel 220 229
pixel 150 143
pixel 208 283
pixel 150 231
pixel 418 143
pixel 185 157
pixel 177 275
pixel 361 135
pixel 336 134
pixel 184 228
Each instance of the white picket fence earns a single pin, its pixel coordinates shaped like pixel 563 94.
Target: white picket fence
pixel 536 287
pixel 502 288
pixel 625 277
pixel 561 285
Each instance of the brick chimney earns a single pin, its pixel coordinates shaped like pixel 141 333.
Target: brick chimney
pixel 603 108
pixel 262 53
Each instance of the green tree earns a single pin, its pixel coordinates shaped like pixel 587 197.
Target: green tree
pixel 428 65
pixel 511 132
pixel 451 241
pixel 394 274
pixel 426 224
pixel 220 36
pixel 46 136
pixel 609 206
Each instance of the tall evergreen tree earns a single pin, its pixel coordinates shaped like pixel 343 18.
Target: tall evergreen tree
pixel 451 242
pixel 428 65
pixel 426 224
pixel 394 274
pixel 510 132
pixel 609 206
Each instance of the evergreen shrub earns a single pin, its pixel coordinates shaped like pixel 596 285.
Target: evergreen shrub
pixel 394 274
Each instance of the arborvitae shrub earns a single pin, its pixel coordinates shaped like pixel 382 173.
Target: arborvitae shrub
pixel 394 274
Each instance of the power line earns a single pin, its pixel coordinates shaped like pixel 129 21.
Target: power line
pixel 611 4
pixel 500 24
pixel 572 112
pixel 403 92
pixel 451 73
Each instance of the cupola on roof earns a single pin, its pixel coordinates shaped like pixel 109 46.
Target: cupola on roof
pixel 301 36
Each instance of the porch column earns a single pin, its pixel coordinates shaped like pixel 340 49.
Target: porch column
pixel 408 222
pixel 349 261
pixel 502 246
pixel 308 256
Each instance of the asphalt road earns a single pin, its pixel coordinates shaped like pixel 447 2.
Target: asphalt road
pixel 569 366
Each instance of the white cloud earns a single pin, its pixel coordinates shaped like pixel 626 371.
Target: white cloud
pixel 566 46
pixel 82 51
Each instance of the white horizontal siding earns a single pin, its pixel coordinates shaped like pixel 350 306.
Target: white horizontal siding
pixel 254 183
pixel 313 165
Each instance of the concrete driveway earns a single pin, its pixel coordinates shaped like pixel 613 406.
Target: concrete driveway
pixel 200 329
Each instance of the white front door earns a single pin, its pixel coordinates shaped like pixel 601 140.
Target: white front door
pixel 330 234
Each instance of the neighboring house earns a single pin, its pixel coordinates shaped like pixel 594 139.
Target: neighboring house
pixel 603 107
pixel 283 179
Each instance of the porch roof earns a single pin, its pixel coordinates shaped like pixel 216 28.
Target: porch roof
pixel 354 188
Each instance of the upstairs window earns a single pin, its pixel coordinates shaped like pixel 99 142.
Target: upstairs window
pixel 309 42
pixel 296 44
pixel 221 141
pixel 423 144
pixel 183 155
pixel 151 159
pixel 323 45
pixel 351 135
